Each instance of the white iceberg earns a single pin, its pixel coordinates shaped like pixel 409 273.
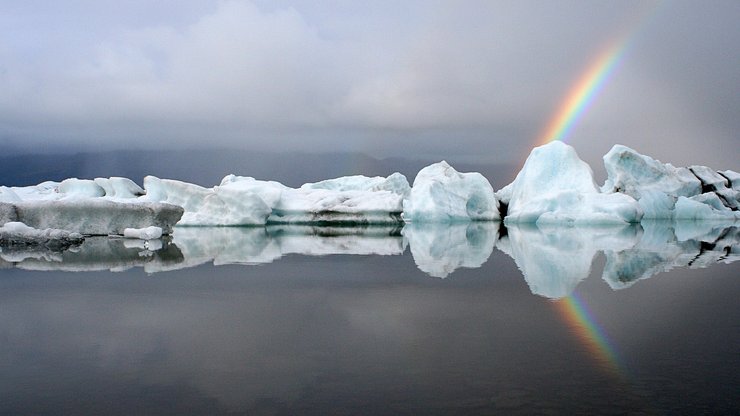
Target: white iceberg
pixel 80 188
pixel 102 206
pixel 240 200
pixel 120 188
pixel 233 203
pixel 395 183
pixel 667 192
pixel 556 186
pixel 442 194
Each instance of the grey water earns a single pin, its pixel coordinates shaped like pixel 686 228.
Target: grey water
pixel 467 319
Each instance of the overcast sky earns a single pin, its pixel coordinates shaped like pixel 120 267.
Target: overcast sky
pixel 476 79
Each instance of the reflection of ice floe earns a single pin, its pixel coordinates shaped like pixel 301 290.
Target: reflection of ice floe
pixel 100 253
pixel 667 245
pixel 224 245
pixel 191 247
pixel 554 260
pixel 256 245
pixel 440 249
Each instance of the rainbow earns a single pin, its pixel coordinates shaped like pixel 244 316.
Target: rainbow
pixel 583 323
pixel 582 94
pixel 572 108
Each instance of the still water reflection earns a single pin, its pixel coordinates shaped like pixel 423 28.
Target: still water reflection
pixel 349 321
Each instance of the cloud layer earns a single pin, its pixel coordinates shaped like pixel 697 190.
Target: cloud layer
pixel 434 78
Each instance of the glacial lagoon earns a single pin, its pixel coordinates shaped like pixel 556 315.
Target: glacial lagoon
pixel 472 318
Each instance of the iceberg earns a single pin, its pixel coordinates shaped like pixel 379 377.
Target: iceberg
pixel 667 192
pixel 103 206
pixel 240 200
pixel 556 186
pixel 234 202
pixel 442 194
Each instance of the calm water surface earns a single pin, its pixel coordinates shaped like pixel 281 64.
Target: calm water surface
pixel 454 320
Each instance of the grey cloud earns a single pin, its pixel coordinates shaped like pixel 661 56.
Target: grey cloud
pixel 377 77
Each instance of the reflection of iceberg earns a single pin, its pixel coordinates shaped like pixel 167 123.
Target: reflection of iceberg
pixel 553 261
pixel 440 249
pixel 224 245
pixel 100 253
pixel 256 245
pixel 667 245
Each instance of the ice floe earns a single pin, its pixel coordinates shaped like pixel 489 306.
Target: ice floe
pixel 666 192
pixel 556 186
pixel 442 194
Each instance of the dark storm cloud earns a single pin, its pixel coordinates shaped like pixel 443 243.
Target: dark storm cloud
pixel 434 78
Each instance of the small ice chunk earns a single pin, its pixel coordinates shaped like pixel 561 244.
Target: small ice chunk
pixel 442 194
pixel 504 194
pixel 709 178
pixel 119 187
pixel 701 209
pixel 711 199
pixel 80 188
pixel 147 233
pixel 396 183
pixel 733 177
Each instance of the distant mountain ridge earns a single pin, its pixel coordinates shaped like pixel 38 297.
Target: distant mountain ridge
pixel 208 167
